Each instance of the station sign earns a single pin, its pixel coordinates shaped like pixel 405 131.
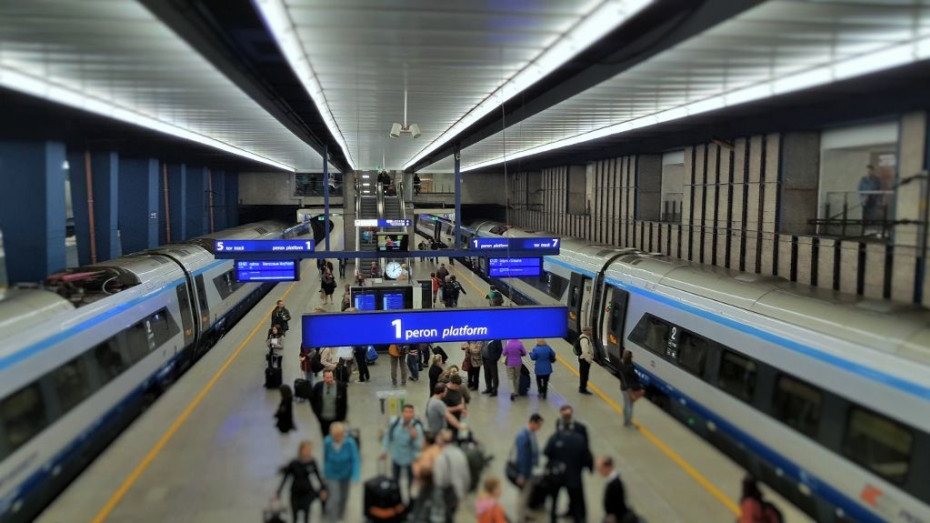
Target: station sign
pixel 267 271
pixel 384 223
pixel 432 326
pixel 263 246
pixel 545 246
pixel 514 267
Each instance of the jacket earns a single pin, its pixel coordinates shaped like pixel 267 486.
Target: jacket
pixel 342 399
pixel 629 380
pixel 542 355
pixel 344 463
pixel 527 450
pixel 492 350
pixel 473 353
pixel 571 449
pixel 398 443
pixel 615 498
pixel 285 416
pixel 490 511
pixel 281 317
pixel 513 353
pixel 574 426
pixel 329 358
pixel 300 474
pixel 587 348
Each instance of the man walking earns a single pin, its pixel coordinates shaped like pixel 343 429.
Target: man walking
pixel 280 316
pixel 570 449
pixel 584 349
pixel 403 442
pixel 329 401
pixel 491 354
pixel 398 354
pixel 615 509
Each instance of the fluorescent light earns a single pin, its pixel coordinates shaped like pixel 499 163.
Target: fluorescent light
pixel 282 28
pixel 42 88
pixel 591 28
pixel 899 54
pixel 365 176
pixel 366 184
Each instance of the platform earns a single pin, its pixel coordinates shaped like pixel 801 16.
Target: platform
pixel 208 451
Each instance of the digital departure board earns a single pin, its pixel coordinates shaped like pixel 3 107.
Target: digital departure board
pixel 267 271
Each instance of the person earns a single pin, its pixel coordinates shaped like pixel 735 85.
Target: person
pixel 328 287
pixel 275 339
pixel 567 421
pixel 329 357
pixel 544 357
pixel 473 358
pixel 585 357
pixel 570 449
pixel 329 401
pixel 374 271
pixel 402 442
pixel 343 262
pixel 341 467
pixel 301 471
pixel 425 354
pixel 494 297
pixel 306 362
pixel 435 369
pixel 404 273
pixel 397 353
pixel 527 450
pixel 614 494
pixel 435 282
pixel 437 414
pixel 280 316
pixel 455 398
pixel 457 289
pixel 868 196
pixel 321 266
pixel 513 358
pixel 442 272
pixel 451 471
pixel 285 413
pixel 488 507
pixel 417 184
pixel 490 355
pixel 413 361
pixel 630 386
pixel 361 361
pixel 346 298
pixel 752 508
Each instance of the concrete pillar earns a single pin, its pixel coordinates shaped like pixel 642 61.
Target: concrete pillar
pixel 177 202
pixel 32 209
pixel 649 187
pixel 104 178
pixel 232 199
pixel 348 211
pixel 196 190
pixel 138 198
pixel 219 200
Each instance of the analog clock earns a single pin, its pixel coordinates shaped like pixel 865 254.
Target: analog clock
pixel 393 270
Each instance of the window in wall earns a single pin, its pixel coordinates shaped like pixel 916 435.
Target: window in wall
pixel 878 444
pixel 311 184
pixel 673 185
pixel 71 383
pixel 737 375
pixel 22 415
pixel 797 404
pixel 577 183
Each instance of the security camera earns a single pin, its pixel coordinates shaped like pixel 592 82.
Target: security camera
pixel 396 130
pixel 411 129
pixel 415 130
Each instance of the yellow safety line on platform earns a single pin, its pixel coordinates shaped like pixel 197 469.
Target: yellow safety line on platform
pixel 648 434
pixel 157 448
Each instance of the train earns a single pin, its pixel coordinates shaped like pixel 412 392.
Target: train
pixel 82 354
pixel 824 396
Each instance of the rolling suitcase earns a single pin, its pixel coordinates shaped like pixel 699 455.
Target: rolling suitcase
pixel 272 377
pixel 524 380
pixel 302 389
pixel 382 501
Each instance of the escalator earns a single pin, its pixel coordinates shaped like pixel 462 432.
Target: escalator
pixel 393 208
pixel 366 208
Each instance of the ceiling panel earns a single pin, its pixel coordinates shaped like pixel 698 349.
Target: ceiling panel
pixel 770 42
pixel 114 53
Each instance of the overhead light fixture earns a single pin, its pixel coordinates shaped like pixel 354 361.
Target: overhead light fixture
pixel 366 184
pixel 42 88
pixel 591 28
pixel 365 176
pixel 894 56
pixel 281 26
pixel 398 129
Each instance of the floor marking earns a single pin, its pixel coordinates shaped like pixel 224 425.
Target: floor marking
pixel 642 429
pixel 181 419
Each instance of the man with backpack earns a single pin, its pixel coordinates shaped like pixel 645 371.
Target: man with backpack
pixel 584 349
pixel 450 292
pixel 403 442
pixel 494 297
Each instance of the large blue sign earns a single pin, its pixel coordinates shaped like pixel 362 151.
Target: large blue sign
pixel 263 246
pixel 433 326
pixel 545 246
pixel 266 271
pixel 514 267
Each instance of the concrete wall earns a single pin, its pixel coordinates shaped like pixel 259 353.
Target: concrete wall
pixel 271 188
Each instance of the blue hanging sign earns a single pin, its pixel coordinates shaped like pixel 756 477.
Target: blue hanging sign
pixel 267 271
pixel 433 326
pixel 545 246
pixel 263 246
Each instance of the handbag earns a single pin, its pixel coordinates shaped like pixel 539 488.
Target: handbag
pixel 635 394
pixel 466 363
pixel 510 469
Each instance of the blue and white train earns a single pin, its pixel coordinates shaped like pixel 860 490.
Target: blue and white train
pixel 822 395
pixel 82 355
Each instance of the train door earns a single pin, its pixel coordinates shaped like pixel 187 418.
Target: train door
pixel 579 303
pixel 187 314
pixel 202 302
pixel 612 323
pixel 587 303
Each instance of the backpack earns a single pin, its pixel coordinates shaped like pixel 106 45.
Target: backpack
pixel 576 347
pixel 497 298
pixel 394 351
pixel 449 290
pixel 316 361
pixel 771 512
pixel 397 420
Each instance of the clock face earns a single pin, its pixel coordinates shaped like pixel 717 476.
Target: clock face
pixel 393 270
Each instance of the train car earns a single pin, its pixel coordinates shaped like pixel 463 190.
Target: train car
pixel 822 395
pixel 81 356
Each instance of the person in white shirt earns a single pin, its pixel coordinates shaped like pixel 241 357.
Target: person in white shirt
pixel 585 359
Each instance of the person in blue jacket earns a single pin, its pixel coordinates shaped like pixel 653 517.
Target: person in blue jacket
pixel 544 357
pixel 527 449
pixel 341 467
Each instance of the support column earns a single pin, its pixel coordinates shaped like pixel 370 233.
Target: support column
pixel 458 197
pixel 196 190
pixel 219 200
pixel 138 198
pixel 232 199
pixel 177 202
pixel 32 209
pixel 94 201
pixel 326 196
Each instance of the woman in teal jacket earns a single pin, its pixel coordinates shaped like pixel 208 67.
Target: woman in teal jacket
pixel 341 466
pixel 544 357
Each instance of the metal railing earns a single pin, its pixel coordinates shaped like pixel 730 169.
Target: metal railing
pixel 850 214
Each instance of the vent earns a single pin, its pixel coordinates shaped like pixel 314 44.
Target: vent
pixel 261 230
pixel 160 260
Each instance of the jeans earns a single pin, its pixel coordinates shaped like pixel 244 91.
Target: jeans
pixel 396 362
pixel 627 408
pixel 542 384
pixel 408 470
pixel 584 369
pixel 413 363
pixel 338 497
pixel 363 374
pixel 491 376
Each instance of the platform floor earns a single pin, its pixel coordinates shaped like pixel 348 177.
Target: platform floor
pixel 208 451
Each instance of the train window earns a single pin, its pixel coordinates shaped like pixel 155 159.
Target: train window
pixel 692 352
pixel 163 327
pixel 878 443
pixel 22 415
pixel 72 384
pixel 136 341
pixel 797 404
pixel 226 284
pixel 109 360
pixel 652 333
pixel 737 375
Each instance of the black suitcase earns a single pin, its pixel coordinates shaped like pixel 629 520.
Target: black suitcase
pixel 524 381
pixel 382 501
pixel 272 377
pixel 341 373
pixel 302 389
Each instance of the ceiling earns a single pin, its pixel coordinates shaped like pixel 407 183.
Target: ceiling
pixel 778 47
pixel 114 58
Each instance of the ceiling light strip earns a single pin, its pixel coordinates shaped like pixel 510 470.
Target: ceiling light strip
pixel 894 56
pixel 284 32
pixel 603 19
pixel 42 88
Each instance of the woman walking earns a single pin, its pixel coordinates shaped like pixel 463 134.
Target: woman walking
pixel 300 471
pixel 630 387
pixel 341 466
